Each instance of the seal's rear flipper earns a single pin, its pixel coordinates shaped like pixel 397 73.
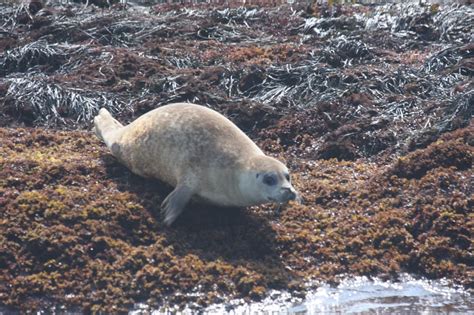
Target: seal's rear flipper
pixel 105 127
pixel 174 203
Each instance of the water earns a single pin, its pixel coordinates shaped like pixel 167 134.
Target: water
pixel 362 296
pixel 358 295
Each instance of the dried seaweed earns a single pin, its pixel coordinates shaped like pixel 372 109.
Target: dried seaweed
pixel 242 15
pixel 51 102
pixel 36 53
pixel 332 26
pixel 455 23
pixel 450 57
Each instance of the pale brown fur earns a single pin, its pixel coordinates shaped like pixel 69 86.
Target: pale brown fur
pixel 190 147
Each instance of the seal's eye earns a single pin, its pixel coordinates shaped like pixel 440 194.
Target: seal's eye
pixel 287 176
pixel 269 180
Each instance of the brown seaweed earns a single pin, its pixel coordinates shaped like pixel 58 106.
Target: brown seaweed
pixel 371 108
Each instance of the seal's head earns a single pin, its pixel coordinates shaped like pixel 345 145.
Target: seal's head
pixel 267 180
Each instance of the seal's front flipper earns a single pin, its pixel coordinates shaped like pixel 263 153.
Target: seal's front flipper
pixel 175 202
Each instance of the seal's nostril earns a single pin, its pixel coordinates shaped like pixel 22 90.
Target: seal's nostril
pixel 291 196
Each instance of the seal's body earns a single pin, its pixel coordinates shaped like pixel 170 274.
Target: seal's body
pixel 200 153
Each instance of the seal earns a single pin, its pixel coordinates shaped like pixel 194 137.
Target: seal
pixel 200 153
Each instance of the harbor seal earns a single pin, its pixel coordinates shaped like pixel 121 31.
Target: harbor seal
pixel 200 153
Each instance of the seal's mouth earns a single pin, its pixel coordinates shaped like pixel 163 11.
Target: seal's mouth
pixel 285 199
pixel 279 201
pixel 272 199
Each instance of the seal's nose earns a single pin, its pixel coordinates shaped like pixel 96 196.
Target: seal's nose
pixel 289 194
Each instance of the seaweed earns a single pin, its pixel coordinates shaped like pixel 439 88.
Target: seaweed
pixel 39 100
pixel 61 241
pixel 370 106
